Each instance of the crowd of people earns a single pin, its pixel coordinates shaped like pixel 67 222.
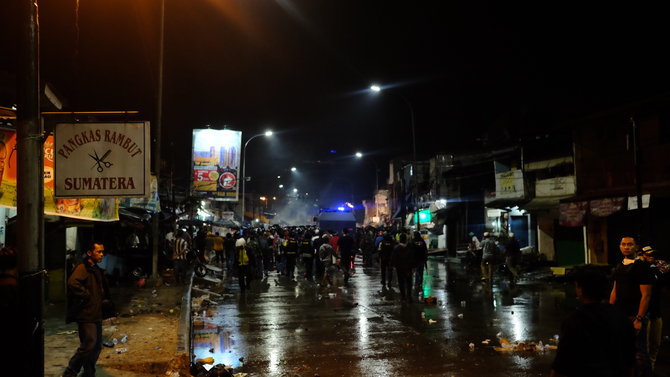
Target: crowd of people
pixel 306 252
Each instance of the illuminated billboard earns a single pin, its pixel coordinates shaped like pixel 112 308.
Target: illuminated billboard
pixel 215 164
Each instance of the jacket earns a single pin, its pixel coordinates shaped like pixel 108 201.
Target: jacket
pixel 402 257
pixel 88 294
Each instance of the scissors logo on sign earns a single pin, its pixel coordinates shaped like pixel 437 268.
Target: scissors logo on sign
pixel 100 161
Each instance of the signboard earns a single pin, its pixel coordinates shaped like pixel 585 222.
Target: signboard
pixel 216 163
pixel 605 207
pixel 424 216
pixel 632 201
pixel 557 186
pixel 97 209
pixel 572 214
pixel 509 184
pixel 102 160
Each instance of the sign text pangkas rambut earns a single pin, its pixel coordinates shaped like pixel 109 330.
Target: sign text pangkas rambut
pixel 102 160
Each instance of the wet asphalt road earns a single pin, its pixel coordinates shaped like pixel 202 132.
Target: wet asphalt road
pixel 283 328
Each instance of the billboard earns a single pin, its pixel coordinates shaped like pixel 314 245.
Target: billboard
pixel 215 164
pixel 95 160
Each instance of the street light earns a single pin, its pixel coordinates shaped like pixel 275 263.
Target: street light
pixel 378 89
pixel 244 167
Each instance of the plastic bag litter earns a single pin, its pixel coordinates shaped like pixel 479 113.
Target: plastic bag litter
pixel 507 346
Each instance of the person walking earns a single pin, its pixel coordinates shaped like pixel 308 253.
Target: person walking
pixel 345 247
pixel 291 252
pixel 489 255
pixel 420 252
pixel 229 251
pixel 403 260
pixel 513 257
pixel 385 250
pixel 89 303
pixel 179 252
pixel 218 247
pixel 631 294
pixel 243 262
pixel 327 258
pixel 307 255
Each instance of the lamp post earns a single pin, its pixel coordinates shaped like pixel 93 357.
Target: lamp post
pixel 244 167
pixel 378 89
pixel 359 155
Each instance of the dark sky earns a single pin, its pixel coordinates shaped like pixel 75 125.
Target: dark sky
pixel 302 67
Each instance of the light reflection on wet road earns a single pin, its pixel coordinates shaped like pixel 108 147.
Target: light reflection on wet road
pixel 283 328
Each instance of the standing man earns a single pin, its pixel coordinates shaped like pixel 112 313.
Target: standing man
pixel 217 246
pixel 243 261
pixel 385 250
pixel 403 261
pixel 489 254
pixel 345 246
pixel 179 251
pixel 631 294
pixel 291 252
pixel 420 252
pixel 89 303
pixel 513 257
pixel 307 254
pixel 229 249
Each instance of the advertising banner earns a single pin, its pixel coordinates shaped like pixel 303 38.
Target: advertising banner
pixel 102 160
pixel 151 204
pixel 97 209
pixel 605 207
pixel 216 163
pixel 572 214
pixel 509 184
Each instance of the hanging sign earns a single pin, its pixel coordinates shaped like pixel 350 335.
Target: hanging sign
pixel 102 160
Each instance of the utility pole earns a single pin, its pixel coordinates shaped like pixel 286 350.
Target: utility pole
pixel 30 197
pixel 155 219
pixel 641 223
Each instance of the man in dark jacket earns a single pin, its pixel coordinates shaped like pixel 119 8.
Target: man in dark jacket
pixel 385 249
pixel 89 303
pixel 403 260
pixel 345 247
pixel 420 251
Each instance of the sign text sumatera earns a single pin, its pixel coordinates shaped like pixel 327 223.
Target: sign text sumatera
pixel 102 160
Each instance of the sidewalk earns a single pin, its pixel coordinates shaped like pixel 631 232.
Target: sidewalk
pixel 150 317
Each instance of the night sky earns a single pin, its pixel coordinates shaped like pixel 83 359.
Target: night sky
pixel 303 68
